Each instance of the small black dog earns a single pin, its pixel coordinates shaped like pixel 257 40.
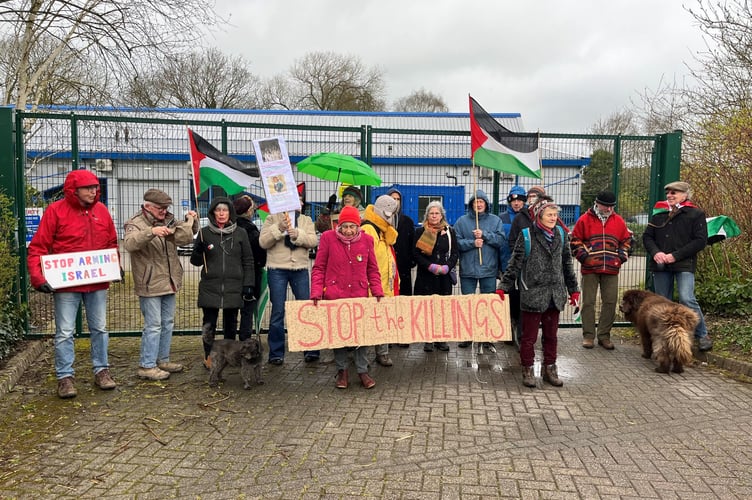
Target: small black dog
pixel 246 354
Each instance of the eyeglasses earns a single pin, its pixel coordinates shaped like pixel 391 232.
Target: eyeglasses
pixel 671 191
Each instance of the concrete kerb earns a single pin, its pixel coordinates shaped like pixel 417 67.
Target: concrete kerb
pixel 11 374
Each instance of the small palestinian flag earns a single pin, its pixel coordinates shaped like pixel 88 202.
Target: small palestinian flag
pixel 498 148
pixel 212 168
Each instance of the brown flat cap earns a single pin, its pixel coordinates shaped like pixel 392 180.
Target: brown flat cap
pixel 677 186
pixel 158 197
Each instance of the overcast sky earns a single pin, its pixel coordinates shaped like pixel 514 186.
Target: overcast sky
pixel 562 65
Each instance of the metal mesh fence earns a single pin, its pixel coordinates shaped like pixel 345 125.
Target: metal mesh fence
pixel 131 155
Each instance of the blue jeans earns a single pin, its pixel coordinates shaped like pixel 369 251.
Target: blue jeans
pixel 66 310
pixel 663 283
pixel 159 321
pixel 468 285
pixel 278 280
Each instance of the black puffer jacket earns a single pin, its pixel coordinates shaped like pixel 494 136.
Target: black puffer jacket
pixel 683 235
pixel 227 261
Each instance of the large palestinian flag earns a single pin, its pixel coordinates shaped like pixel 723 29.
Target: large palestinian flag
pixel 498 148
pixel 212 168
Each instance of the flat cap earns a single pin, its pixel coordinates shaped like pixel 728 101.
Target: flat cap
pixel 158 197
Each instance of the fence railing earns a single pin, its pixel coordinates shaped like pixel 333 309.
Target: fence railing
pixel 131 154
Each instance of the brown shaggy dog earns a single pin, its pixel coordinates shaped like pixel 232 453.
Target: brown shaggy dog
pixel 665 327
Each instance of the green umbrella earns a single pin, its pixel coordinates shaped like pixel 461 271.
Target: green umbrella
pixel 720 228
pixel 339 168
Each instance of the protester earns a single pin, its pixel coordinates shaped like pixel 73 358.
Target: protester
pixel 77 223
pixel 523 219
pixel 600 242
pixel 516 200
pixel 327 219
pixel 227 273
pixel 287 241
pixel 151 238
pixel 346 267
pixel 403 248
pixel 677 232
pixel 435 253
pixel 245 208
pixel 547 277
pixel 378 223
pixel 480 240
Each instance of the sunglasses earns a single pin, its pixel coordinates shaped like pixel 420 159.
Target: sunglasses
pixel 671 191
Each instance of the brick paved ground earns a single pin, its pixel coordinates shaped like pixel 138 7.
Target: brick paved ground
pixel 435 426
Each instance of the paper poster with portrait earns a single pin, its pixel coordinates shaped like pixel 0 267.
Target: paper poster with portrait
pixel 276 175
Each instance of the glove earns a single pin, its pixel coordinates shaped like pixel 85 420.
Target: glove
pixel 574 298
pixel 45 288
pixel 379 297
pixel 199 245
pixel 500 293
pixel 434 269
pixel 248 294
pixel 315 301
pixel 444 269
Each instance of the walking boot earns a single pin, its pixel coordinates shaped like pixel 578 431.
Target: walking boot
pixel 341 379
pixel 366 380
pixel 551 376
pixel 528 380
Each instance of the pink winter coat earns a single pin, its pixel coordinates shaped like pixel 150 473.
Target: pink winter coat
pixel 343 270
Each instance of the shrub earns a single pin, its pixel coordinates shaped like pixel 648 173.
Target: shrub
pixel 12 313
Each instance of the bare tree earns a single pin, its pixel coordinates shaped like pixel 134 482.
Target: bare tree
pixel 422 101
pixel 73 79
pixel 115 33
pixel 330 81
pixel 206 79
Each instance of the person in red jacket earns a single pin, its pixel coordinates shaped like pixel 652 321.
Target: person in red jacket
pixel 600 241
pixel 346 267
pixel 77 223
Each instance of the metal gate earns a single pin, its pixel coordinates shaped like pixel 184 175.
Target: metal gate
pixel 131 153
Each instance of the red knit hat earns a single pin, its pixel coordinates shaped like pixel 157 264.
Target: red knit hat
pixel 349 214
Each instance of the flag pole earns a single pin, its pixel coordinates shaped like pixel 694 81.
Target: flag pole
pixel 196 181
pixel 475 195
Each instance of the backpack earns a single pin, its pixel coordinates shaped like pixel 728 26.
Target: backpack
pixel 526 237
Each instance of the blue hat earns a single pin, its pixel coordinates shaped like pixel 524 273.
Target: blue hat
pixel 517 193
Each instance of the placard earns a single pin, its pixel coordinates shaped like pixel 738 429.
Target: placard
pixel 65 270
pixel 396 320
pixel 276 175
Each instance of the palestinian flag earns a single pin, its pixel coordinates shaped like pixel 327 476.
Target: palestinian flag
pixel 212 168
pixel 498 148
pixel 720 228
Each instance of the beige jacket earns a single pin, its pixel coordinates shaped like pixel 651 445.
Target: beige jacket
pixel 155 264
pixel 279 255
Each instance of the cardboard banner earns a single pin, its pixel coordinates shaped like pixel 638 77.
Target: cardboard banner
pixel 397 320
pixel 64 270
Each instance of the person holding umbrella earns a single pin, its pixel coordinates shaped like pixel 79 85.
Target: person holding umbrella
pixel 327 219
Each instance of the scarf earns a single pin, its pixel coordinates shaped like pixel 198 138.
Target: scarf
pixel 663 206
pixel 348 240
pixel 385 229
pixel 427 240
pixel 228 229
pixel 547 233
